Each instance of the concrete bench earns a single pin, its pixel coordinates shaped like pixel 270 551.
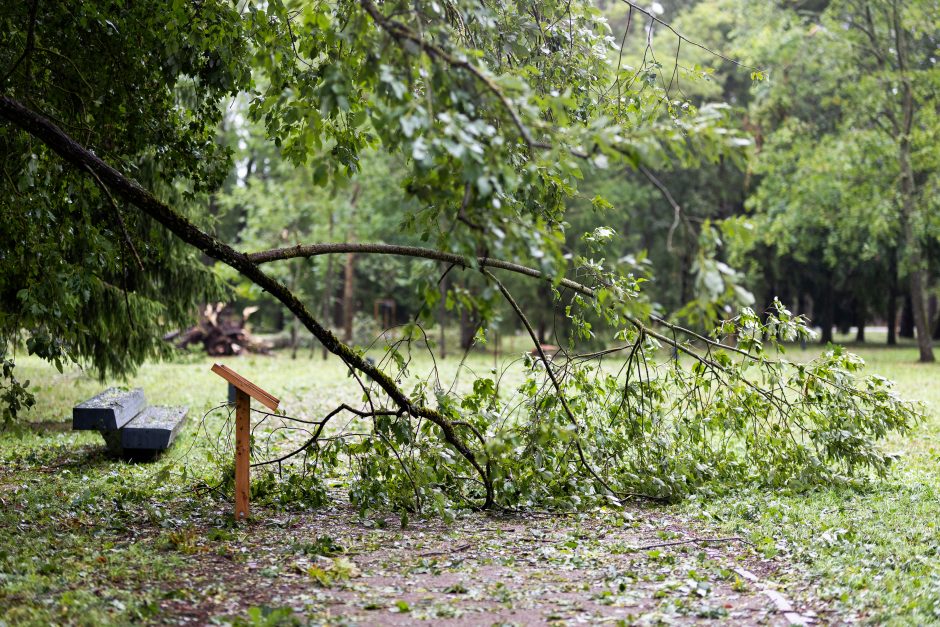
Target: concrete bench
pixel 129 427
pixel 108 411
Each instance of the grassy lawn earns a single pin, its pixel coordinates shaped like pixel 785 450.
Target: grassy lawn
pixel 874 551
pixel 85 539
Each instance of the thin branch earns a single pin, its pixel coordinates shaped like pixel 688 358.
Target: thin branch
pixel 551 375
pixel 676 208
pixel 686 39
pixel 400 32
pixel 30 41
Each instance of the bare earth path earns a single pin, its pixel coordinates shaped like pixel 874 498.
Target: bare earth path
pixel 481 570
pixel 87 542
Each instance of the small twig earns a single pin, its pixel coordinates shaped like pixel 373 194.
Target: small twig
pixel 459 549
pixel 120 218
pixel 30 42
pixel 694 541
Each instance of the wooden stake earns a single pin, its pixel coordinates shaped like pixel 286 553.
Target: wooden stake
pixel 242 453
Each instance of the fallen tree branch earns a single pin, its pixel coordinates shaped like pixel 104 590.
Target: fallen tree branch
pixel 74 153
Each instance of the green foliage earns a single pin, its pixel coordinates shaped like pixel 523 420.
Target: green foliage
pixel 14 397
pixel 649 423
pixel 84 278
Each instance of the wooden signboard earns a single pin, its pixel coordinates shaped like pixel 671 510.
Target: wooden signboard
pixel 245 390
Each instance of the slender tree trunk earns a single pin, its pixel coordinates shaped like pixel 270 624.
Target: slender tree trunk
pixel 327 303
pixel 891 307
pixel 546 297
pixel 442 317
pixel 861 316
pixel 349 278
pixel 915 266
pixel 468 329
pixel 934 310
pixel 827 310
pixel 891 317
pixel 906 326
pixel 349 308
pixel 294 337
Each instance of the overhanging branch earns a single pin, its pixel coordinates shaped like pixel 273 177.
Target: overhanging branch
pixel 74 153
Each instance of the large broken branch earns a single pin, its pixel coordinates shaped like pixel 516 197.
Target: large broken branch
pixel 74 153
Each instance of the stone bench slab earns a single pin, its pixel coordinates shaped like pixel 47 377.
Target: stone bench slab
pixel 108 411
pixel 154 429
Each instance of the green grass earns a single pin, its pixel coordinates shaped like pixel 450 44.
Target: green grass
pixel 88 540
pixel 875 551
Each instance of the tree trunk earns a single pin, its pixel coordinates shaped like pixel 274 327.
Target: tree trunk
pixel 915 266
pixel 442 317
pixel 545 296
pixel 349 307
pixel 294 337
pixel 935 316
pixel 827 312
pixel 468 329
pixel 349 279
pixel 891 317
pixel 860 319
pixel 921 323
pixel 906 327
pixel 915 263
pixel 327 302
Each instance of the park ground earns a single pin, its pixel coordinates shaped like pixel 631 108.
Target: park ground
pixel 89 540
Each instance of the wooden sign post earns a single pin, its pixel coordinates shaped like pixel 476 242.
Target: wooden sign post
pixel 245 390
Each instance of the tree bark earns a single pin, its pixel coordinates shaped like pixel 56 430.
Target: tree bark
pixel 906 326
pixel 915 266
pixel 891 317
pixel 349 277
pixel 826 317
pixel 327 303
pixel 468 329
pixel 442 317
pixel 861 316
pixel 349 307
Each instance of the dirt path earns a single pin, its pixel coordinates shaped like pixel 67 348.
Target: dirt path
pixel 478 570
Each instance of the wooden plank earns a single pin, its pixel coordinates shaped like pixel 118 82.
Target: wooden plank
pixel 268 400
pixel 242 453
